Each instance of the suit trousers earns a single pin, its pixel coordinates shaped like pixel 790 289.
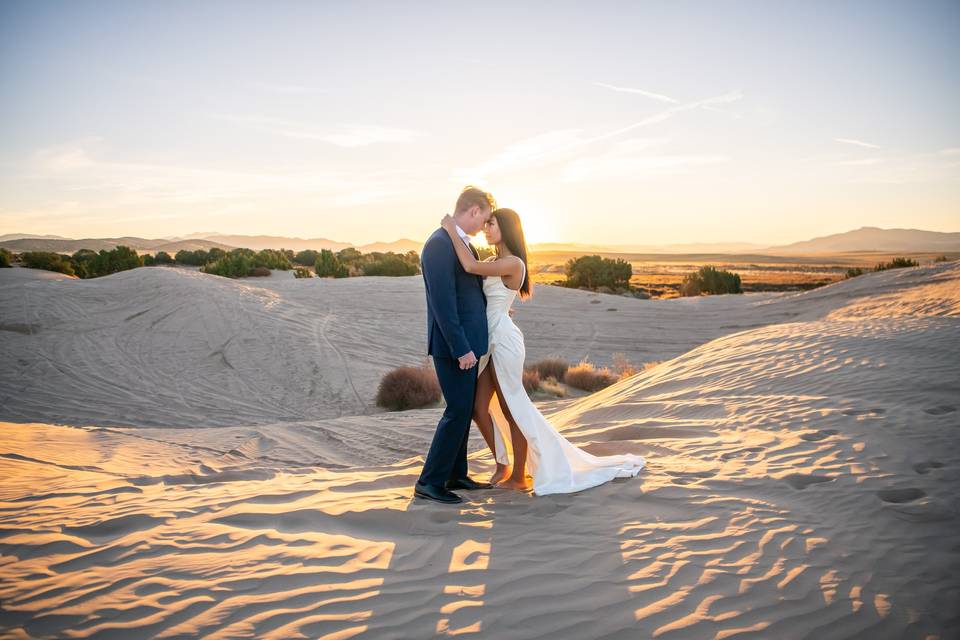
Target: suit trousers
pixel 447 458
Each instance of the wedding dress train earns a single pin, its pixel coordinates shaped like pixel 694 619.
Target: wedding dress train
pixel 556 464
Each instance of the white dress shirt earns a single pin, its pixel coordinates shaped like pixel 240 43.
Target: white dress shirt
pixel 463 236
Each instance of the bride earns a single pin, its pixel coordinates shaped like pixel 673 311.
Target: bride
pixel 557 465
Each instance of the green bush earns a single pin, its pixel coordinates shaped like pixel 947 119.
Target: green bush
pixel 896 263
pixel 941 259
pixel 595 271
pixel 236 264
pixel 329 266
pixel 306 257
pixel 272 259
pixel 48 261
pixel 853 272
pixel 163 257
pixel 710 280
pixel 389 264
pixel 196 258
pixel 302 272
pixel 5 258
pixel 118 259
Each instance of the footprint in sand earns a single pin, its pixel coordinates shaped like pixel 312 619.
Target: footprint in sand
pixel 924 467
pixel 863 412
pixel 898 496
pixel 816 436
pixel 803 480
pixel 940 410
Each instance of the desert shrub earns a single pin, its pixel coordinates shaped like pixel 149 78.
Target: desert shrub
pixel 271 259
pixel 215 253
pixel 329 266
pixel 853 272
pixel 260 272
pixel 710 280
pixel 349 256
pixel 408 388
pixel 941 259
pixel 596 271
pixel 302 272
pixel 48 261
pixel 896 263
pixel 555 368
pixel 585 376
pixel 531 380
pixel 306 257
pixel 622 366
pixel 148 260
pixel 120 258
pixel 196 258
pixel 5 258
pixel 232 265
pixel 162 257
pixel 390 264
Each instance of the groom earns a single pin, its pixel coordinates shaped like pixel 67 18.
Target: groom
pixel 456 337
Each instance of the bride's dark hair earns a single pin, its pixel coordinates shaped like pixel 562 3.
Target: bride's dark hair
pixel 511 234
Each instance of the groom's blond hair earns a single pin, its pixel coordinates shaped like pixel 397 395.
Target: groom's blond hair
pixel 474 196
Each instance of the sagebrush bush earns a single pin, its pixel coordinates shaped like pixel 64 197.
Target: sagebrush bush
pixel 595 271
pixel 5 258
pixel 408 388
pixel 531 380
pixel 588 378
pixel 853 272
pixel 941 259
pixel 551 386
pixel 710 280
pixel 896 263
pixel 555 368
pixel 302 272
pixel 48 261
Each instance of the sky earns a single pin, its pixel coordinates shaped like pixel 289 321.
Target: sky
pixel 598 122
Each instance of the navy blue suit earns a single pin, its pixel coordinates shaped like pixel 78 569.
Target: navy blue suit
pixel 456 325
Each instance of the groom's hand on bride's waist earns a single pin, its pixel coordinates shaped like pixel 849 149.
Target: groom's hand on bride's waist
pixel 468 360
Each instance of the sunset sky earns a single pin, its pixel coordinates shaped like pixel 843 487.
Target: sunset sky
pixel 598 122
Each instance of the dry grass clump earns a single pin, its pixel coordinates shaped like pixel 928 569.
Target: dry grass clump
pixel 531 380
pixel 408 388
pixel 554 388
pixel 260 272
pixel 588 378
pixel 622 366
pixel 555 368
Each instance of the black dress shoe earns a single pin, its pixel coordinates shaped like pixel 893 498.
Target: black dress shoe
pixel 437 494
pixel 468 484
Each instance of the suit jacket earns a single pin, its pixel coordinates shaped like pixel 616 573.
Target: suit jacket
pixel 456 306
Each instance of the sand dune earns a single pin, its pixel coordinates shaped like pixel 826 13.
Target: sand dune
pixel 802 480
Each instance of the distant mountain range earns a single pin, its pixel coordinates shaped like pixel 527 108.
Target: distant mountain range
pixel 863 239
pixel 875 239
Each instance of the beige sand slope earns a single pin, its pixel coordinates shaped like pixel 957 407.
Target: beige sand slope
pixel 179 348
pixel 802 483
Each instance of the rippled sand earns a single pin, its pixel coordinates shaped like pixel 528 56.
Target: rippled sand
pixel 215 474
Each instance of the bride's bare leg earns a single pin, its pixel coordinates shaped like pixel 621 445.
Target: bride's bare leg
pixel 518 476
pixel 481 415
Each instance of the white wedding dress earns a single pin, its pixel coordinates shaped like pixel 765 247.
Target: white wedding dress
pixel 556 464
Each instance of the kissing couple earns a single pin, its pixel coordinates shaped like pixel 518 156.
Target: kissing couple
pixel 478 352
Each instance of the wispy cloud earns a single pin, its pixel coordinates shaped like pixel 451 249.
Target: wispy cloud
pixel 859 143
pixel 75 170
pixel 952 151
pixel 342 135
pixel 561 145
pixel 649 94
